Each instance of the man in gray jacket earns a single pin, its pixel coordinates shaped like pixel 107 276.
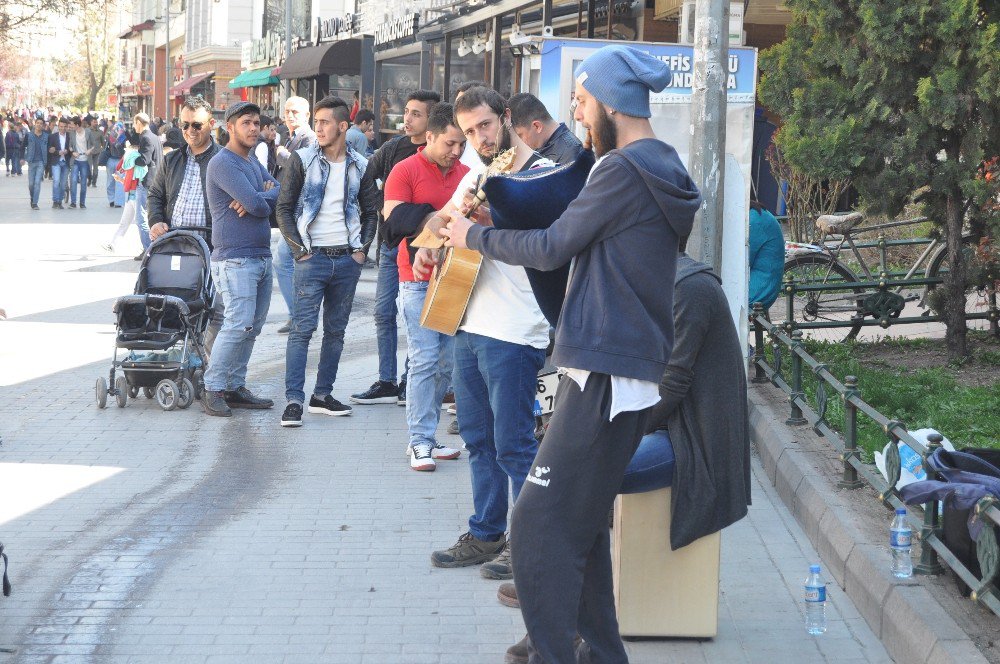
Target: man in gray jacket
pixel 613 342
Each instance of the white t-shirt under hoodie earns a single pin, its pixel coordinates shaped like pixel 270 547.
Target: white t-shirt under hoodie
pixel 329 228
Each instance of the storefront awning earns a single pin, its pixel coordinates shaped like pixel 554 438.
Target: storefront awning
pixel 254 78
pixel 339 57
pixel 137 28
pixel 185 86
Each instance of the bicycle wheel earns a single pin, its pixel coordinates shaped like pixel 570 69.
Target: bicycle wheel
pixel 820 305
pixel 977 298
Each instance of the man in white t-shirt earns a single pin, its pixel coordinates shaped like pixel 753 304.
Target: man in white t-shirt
pixel 328 221
pixel 499 349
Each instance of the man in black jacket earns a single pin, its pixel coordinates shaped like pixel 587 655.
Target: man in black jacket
pixel 151 151
pixel 62 149
pixel 415 115
pixel 177 192
pixel 533 124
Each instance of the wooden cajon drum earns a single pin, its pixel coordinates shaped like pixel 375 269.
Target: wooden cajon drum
pixel 659 592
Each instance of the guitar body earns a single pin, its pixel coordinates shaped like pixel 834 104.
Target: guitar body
pixel 450 289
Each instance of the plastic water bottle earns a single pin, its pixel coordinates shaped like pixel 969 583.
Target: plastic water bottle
pixel 900 537
pixel 815 594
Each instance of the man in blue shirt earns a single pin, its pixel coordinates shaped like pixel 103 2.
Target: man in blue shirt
pixel 35 156
pixel 241 197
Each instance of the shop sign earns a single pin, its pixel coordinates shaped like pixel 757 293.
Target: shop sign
pixel 396 29
pixel 332 29
pixel 144 88
pixel 264 52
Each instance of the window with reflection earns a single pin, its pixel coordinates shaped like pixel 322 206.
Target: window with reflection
pixel 399 78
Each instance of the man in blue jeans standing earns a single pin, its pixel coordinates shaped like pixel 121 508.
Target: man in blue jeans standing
pixel 241 196
pixel 61 150
pixel 328 238
pixel 35 155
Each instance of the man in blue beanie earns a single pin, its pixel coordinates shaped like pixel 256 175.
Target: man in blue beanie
pixel 613 341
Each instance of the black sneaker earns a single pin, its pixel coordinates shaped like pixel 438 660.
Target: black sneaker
pixel 57 206
pixel 34 207
pixel 82 206
pixel 72 205
pixel 401 395
pixel 244 398
pixel 468 551
pixel 215 404
pixel 328 406
pixel 292 417
pixel 381 391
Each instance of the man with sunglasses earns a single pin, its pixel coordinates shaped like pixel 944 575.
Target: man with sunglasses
pixel 177 194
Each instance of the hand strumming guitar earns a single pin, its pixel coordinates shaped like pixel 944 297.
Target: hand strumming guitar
pixel 456 232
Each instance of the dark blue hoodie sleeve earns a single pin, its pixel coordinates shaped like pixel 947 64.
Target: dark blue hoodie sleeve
pixel 601 210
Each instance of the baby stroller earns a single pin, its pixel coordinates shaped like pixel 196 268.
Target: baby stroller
pixel 162 326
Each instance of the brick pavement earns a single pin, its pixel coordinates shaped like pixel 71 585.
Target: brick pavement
pixel 143 536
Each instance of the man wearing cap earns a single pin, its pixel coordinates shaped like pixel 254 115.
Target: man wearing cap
pixel 241 197
pixel 613 341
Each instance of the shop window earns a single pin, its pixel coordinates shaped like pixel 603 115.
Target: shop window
pixel 399 77
pixel 469 66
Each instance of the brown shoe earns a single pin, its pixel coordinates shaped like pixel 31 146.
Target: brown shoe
pixel 498 569
pixel 517 653
pixel 507 594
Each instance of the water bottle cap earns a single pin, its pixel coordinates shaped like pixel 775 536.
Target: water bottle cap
pixel 900 510
pixel 814 569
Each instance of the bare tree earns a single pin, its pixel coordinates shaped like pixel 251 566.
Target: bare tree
pixel 19 15
pixel 97 40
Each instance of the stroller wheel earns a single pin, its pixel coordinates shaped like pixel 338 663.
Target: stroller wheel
pixel 121 391
pixel 148 392
pixel 198 378
pixel 167 394
pixel 101 392
pixel 186 393
pixel 133 392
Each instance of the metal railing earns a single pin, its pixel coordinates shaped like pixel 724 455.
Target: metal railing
pixel 856 473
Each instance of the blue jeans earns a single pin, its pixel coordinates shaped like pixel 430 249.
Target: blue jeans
pixel 284 268
pixel 142 216
pixel 116 192
pixel 330 282
pixel 652 465
pixel 244 284
pixel 495 385
pixel 78 178
pixel 36 170
pixel 431 362
pixel 14 161
pixel 386 290
pixel 60 171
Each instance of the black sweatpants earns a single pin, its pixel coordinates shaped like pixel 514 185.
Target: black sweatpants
pixel 560 544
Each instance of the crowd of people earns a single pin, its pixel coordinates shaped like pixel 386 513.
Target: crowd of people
pixel 646 368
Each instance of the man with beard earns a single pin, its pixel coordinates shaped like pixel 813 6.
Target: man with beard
pixel 613 341
pixel 241 198
pixel 415 115
pixel 499 349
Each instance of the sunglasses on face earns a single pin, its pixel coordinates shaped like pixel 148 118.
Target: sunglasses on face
pixel 193 125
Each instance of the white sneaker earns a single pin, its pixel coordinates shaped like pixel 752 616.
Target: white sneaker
pixel 421 458
pixel 452 410
pixel 439 452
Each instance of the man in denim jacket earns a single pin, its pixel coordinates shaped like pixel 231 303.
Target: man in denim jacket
pixel 328 221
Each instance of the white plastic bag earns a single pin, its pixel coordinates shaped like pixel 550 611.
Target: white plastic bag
pixel 912 469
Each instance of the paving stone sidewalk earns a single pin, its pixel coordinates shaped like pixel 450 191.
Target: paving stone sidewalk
pixel 138 535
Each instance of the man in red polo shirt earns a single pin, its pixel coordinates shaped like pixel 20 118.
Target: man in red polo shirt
pixel 417 188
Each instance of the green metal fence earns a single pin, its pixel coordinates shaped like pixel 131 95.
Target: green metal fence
pixel 856 473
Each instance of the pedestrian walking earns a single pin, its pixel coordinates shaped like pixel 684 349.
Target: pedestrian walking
pixel 14 146
pixel 624 270
pixel 98 139
pixel 328 222
pixel 177 195
pixel 300 135
pixel 241 197
pixel 151 150
pixel 129 171
pixel 414 136
pixel 114 150
pixel 80 173
pixel 62 148
pixel 35 156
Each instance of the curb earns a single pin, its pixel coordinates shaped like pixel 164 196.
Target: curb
pixel 906 618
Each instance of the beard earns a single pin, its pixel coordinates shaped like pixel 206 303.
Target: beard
pixel 604 133
pixel 503 144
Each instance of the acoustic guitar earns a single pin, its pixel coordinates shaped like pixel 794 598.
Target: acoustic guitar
pixel 451 283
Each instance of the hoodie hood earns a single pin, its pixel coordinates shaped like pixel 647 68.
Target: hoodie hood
pixel 687 266
pixel 668 181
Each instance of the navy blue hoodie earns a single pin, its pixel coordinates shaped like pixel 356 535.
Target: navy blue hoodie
pixel 623 232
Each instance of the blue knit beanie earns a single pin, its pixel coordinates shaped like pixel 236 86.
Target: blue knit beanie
pixel 622 77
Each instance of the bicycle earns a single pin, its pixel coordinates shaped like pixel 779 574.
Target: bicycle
pixel 818 264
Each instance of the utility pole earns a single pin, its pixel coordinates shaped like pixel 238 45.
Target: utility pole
pixel 166 64
pixel 288 43
pixel 708 135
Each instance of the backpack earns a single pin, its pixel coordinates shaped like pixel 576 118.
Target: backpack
pixel 955 526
